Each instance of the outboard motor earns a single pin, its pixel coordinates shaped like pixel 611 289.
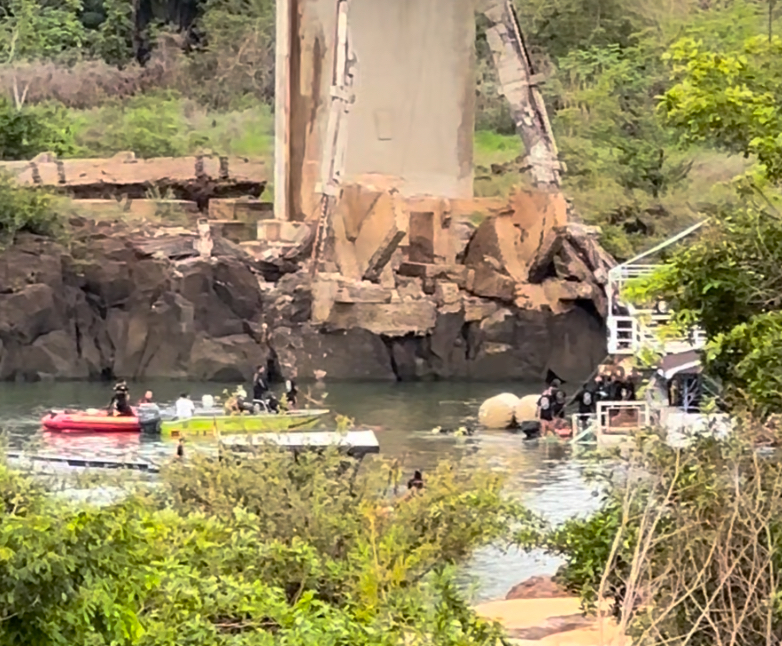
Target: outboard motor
pixel 149 420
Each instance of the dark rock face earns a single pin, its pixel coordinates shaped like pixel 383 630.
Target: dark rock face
pixel 112 307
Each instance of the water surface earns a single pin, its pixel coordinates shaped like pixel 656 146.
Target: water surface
pixel 544 475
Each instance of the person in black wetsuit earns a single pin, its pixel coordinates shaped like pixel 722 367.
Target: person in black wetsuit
pixel 260 384
pixel 587 402
pixel 602 390
pixel 546 410
pixel 291 393
pixel 120 401
pixel 559 403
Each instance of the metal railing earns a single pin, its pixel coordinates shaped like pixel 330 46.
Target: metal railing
pixel 640 328
pixel 613 418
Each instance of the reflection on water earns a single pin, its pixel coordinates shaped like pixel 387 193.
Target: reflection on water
pixel 543 473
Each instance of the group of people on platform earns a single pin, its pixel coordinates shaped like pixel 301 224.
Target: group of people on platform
pixel 262 398
pixel 613 386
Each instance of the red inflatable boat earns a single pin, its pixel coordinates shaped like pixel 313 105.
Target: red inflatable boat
pixel 96 421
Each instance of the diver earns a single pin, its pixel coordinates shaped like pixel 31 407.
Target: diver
pixel 416 483
pixel 120 400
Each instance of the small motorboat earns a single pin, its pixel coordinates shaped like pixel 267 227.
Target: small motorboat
pixel 94 420
pixel 210 423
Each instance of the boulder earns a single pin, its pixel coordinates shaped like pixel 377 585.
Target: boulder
pixel 213 315
pixel 31 260
pixel 52 355
pixel 538 587
pixel 350 354
pixel 237 287
pixel 230 359
pixel 110 280
pixel 28 314
pixel 497 412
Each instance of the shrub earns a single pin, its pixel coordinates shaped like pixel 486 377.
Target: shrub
pixel 687 544
pixel 273 550
pixel 29 209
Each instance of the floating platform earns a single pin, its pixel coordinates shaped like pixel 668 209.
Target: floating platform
pixel 355 444
pixel 82 462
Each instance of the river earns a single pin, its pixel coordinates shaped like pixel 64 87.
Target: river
pixel 544 474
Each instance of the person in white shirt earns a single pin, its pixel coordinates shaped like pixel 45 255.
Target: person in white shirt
pixel 184 407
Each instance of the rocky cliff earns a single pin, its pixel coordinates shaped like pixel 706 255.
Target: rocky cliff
pixel 116 303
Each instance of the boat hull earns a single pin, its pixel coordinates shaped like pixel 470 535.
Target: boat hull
pixel 80 422
pixel 206 426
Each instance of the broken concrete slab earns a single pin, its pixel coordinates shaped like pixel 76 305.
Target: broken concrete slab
pixel 492 284
pixel 446 293
pixel 453 273
pixel 362 292
pixel 477 309
pixel 537 212
pixel 497 241
pixel 354 205
pixel 410 288
pixel 381 232
pixel 540 265
pixel 392 319
pixel 233 230
pixel 241 208
pixel 344 250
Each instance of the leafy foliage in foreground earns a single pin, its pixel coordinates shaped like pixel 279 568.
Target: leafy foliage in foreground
pixel 687 543
pixel 728 283
pixel 270 551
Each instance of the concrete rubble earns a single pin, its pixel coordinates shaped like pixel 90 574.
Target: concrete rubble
pixel 409 296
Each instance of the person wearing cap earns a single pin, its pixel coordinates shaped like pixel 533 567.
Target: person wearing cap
pixel 120 400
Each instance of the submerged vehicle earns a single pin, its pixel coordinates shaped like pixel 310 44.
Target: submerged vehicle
pixel 210 423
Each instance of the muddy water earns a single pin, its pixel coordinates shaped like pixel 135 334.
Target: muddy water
pixel 545 475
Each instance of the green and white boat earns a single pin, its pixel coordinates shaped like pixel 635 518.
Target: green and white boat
pixel 215 423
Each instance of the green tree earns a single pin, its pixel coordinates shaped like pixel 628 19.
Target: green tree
pixel 729 99
pixel 31 29
pixel 114 40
